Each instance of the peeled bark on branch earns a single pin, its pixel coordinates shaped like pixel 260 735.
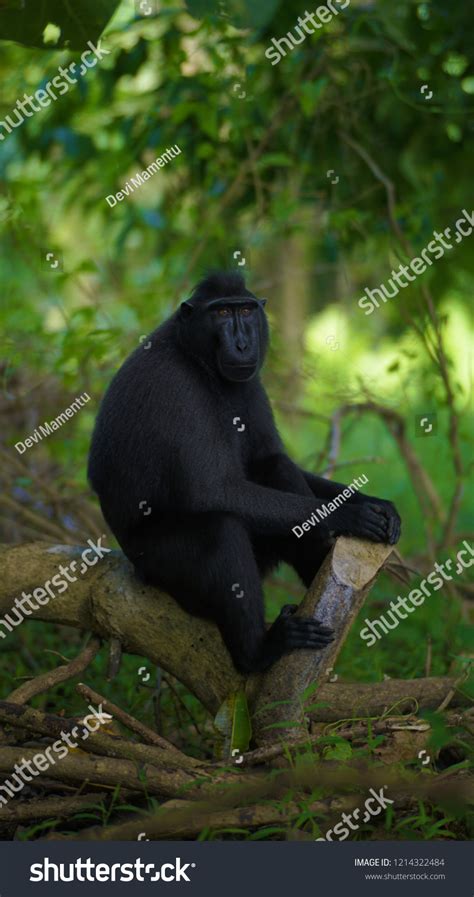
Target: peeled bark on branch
pixel 334 599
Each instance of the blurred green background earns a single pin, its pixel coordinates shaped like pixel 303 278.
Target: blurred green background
pixel 324 172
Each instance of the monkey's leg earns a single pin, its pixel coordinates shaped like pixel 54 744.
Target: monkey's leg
pixel 217 576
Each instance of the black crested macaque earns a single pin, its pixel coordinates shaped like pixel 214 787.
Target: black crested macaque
pixel 186 427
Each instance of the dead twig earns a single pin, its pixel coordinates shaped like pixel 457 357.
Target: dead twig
pixel 97 742
pixel 461 679
pixel 49 680
pixel 126 719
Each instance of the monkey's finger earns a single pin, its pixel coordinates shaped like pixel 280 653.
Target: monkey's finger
pixel 303 623
pixel 309 642
pixel 374 534
pixel 327 639
pixel 393 525
pixel 378 526
pixel 322 639
pixel 392 528
pixel 395 529
pixel 375 513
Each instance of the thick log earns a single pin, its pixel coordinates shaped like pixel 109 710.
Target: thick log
pixel 334 599
pixel 83 769
pixel 266 801
pixel 109 601
pixel 181 820
pixel 352 700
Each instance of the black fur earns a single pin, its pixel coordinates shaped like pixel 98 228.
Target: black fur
pixel 186 427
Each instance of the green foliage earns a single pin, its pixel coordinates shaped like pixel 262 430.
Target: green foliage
pixel 25 21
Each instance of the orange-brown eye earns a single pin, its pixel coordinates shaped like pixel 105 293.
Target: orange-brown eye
pixel 245 311
pixel 224 312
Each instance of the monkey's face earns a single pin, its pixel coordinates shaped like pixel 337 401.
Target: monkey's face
pixel 231 335
pixel 237 328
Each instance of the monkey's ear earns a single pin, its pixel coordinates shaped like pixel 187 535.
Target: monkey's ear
pixel 263 302
pixel 186 309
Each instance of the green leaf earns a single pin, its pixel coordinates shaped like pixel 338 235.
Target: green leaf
pixel 340 749
pixel 232 721
pixel 309 708
pixel 267 832
pixel 274 160
pixel 467 84
pixel 78 22
pixel 310 93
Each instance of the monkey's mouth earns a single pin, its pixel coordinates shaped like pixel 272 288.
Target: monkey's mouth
pixel 239 372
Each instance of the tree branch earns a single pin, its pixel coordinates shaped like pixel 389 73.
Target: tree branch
pixel 109 601
pixel 334 598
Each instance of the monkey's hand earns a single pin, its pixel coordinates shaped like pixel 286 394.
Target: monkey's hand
pixel 376 520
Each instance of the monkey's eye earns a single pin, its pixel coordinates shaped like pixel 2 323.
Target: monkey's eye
pixel 246 311
pixel 224 312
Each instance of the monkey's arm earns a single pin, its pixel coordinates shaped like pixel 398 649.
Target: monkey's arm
pixel 323 488
pixel 355 517
pixel 264 509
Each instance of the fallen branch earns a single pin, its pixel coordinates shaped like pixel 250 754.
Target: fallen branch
pixel 358 732
pixel 51 807
pixel 182 819
pixel 245 809
pixel 148 736
pixel 63 673
pixel 97 742
pixel 109 601
pixel 85 769
pixel 355 700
